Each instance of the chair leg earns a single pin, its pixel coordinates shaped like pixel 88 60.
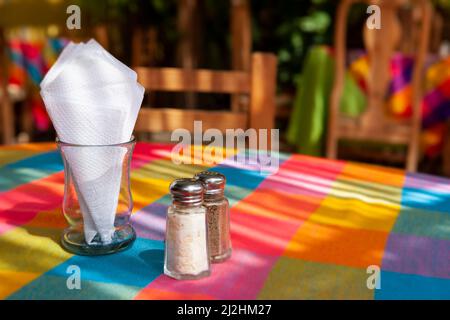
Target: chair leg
pixel 332 149
pixel 413 154
pixel 332 145
pixel 7 119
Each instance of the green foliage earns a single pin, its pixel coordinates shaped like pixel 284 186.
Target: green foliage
pixel 290 28
pixel 316 22
pixel 443 4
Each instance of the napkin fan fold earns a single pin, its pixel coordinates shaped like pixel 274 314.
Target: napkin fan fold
pixel 93 100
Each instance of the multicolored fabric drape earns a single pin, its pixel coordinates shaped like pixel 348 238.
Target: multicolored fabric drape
pixel 30 61
pixel 435 102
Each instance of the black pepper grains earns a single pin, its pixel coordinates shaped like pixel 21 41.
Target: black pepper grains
pixel 217 215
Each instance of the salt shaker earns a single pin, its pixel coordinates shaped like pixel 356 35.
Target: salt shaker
pixel 186 250
pixel 217 215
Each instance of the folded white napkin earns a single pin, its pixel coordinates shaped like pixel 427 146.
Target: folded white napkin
pixel 93 99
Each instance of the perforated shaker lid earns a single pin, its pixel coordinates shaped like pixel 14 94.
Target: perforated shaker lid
pixel 213 182
pixel 186 191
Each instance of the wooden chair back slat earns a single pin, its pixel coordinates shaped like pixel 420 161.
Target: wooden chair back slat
pixel 174 79
pixel 259 84
pixel 169 119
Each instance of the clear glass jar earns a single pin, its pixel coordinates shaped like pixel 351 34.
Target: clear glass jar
pixel 186 243
pixel 97 201
pixel 217 215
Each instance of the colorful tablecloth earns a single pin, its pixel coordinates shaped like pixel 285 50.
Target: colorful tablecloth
pixel 310 230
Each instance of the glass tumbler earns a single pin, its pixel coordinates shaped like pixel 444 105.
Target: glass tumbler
pixel 97 200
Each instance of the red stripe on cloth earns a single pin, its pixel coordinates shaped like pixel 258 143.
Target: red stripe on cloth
pixel 20 205
pixel 240 277
pixel 145 152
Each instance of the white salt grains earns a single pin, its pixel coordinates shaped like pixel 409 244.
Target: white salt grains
pixel 186 238
pixel 186 252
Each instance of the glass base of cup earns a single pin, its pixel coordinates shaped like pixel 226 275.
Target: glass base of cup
pixel 73 241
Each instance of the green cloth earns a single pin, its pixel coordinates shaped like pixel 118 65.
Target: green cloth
pixel 308 123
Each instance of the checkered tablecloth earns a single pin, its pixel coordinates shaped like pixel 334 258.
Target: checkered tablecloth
pixel 309 230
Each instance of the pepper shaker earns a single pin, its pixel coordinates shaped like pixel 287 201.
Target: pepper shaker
pixel 186 247
pixel 217 215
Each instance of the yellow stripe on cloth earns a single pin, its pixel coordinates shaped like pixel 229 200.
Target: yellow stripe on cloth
pixel 361 198
pixel 11 281
pixel 34 147
pixel 300 279
pixel 151 181
pixel 17 152
pixel 354 213
pixel 29 250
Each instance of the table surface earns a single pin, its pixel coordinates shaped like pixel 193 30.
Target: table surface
pixel 310 230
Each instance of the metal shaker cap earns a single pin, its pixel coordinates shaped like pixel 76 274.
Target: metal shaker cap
pixel 186 191
pixel 213 182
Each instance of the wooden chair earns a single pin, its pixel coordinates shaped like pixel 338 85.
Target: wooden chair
pixel 259 84
pixel 375 125
pixel 241 44
pixel 6 109
pixel 189 51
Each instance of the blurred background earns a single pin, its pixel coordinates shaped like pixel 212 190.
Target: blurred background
pixel 223 34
